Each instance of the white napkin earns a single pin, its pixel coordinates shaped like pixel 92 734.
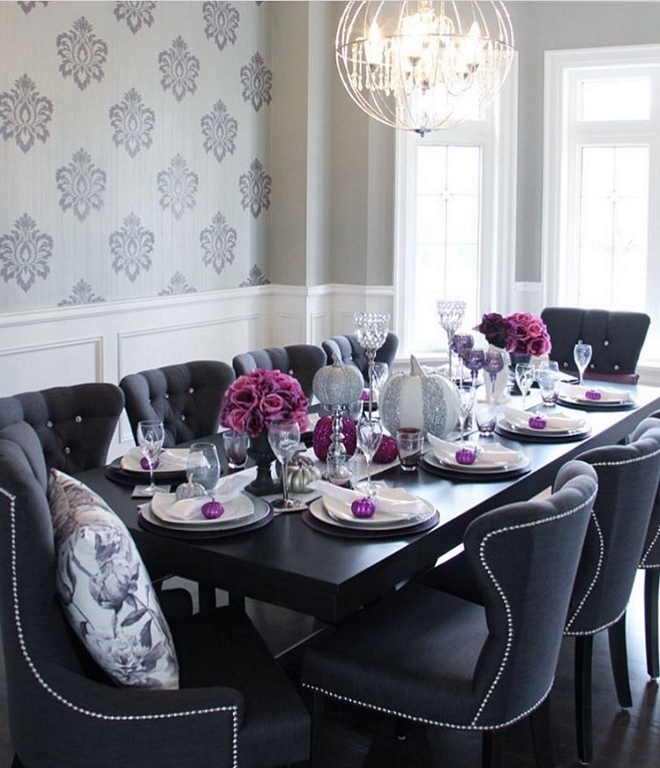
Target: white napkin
pixel 396 503
pixel 577 392
pixel 557 421
pixel 171 460
pixel 493 454
pixel 228 488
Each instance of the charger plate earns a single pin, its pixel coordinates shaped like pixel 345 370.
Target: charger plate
pixel 527 434
pixel 431 463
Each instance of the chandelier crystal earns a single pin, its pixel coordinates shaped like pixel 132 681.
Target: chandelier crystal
pixel 424 65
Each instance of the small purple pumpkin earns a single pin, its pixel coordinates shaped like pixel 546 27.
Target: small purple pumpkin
pixel 144 463
pixel 466 456
pixel 363 507
pixel 212 510
pixel 593 394
pixel 537 422
pixel 387 451
pixel 323 434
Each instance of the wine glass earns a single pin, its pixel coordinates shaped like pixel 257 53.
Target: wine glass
pixel 284 439
pixel 381 372
pixel 369 437
pixel 493 364
pixel 150 435
pixel 524 379
pixel 461 344
pixel 203 467
pixel 582 356
pixel 474 362
pixel 466 399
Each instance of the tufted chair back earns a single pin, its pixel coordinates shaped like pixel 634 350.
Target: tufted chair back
pixel 185 397
pixel 349 350
pixel 74 424
pixel 301 361
pixel 616 338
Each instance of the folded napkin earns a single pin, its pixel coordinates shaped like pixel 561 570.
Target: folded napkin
pixel 395 503
pixel 494 454
pixel 171 460
pixel 227 489
pixel 557 421
pixel 578 392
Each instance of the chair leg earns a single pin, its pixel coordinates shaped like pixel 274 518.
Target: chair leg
pixel 651 584
pixel 583 720
pixel 492 749
pixel 619 659
pixel 541 722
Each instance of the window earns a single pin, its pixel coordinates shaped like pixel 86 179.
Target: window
pixel 455 221
pixel 602 154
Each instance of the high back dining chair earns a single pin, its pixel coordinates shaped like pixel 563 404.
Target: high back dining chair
pixel 74 424
pixel 301 361
pixel 348 350
pixel 234 705
pixel 186 397
pixel 616 338
pixel 427 656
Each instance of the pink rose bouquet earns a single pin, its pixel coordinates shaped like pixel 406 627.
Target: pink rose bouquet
pixel 257 399
pixel 521 333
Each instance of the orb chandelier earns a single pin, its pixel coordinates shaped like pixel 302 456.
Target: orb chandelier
pixel 424 65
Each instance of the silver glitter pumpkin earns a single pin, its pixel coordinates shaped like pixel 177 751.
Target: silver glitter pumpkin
pixel 417 399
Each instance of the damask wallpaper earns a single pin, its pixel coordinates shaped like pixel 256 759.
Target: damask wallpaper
pixel 134 149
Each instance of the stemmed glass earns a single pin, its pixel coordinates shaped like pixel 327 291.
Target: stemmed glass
pixel 371 329
pixel 369 437
pixel 381 372
pixel 474 362
pixel 203 467
pixel 466 400
pixel 582 356
pixel 284 439
pixel 150 435
pixel 461 344
pixel 493 364
pixel 450 317
pixel 524 379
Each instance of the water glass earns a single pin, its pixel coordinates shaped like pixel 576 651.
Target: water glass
pixel 547 377
pixel 485 416
pixel 236 447
pixel 524 380
pixel 409 441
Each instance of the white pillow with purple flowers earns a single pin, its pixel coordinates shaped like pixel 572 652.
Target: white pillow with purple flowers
pixel 105 589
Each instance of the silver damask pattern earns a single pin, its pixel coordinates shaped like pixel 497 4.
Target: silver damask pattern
pixel 221 22
pixel 255 187
pixel 177 285
pixel 132 247
pixel 180 69
pixel 26 7
pixel 83 54
pixel 257 82
pixel 220 130
pixel 24 253
pixel 255 277
pixel 81 294
pixel 24 114
pixel 136 14
pixel 133 123
pixel 178 187
pixel 218 242
pixel 82 185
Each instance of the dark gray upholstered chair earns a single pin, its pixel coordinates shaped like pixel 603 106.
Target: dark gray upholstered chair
pixel 301 361
pixel 75 424
pixel 185 397
pixel 349 350
pixel 235 705
pixel 617 339
pixel 427 656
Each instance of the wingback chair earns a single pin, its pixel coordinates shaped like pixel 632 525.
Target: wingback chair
pixel 301 361
pixel 616 338
pixel 186 397
pixel 234 705
pixel 348 349
pixel 427 656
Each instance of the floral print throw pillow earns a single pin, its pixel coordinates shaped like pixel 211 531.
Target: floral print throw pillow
pixel 105 589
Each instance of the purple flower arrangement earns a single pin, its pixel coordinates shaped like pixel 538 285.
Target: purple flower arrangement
pixel 521 333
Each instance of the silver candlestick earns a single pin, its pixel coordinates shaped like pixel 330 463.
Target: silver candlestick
pixel 371 329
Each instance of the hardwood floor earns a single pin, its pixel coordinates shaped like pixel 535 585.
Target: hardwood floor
pixel 622 739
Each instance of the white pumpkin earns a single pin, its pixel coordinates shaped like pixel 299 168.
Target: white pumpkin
pixel 417 399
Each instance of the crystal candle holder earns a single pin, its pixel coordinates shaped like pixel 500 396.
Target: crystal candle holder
pixel 371 329
pixel 450 317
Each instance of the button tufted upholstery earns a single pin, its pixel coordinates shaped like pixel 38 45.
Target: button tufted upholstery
pixel 616 338
pixel 74 424
pixel 185 397
pixel 349 350
pixel 301 361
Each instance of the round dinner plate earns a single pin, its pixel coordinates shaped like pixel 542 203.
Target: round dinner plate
pixel 506 429
pixel 579 402
pixel 431 463
pixel 322 513
pixel 238 508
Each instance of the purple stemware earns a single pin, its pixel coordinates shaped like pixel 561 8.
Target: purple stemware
pixel 493 364
pixel 474 362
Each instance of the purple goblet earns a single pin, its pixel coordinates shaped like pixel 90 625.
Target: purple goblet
pixel 461 344
pixel 474 362
pixel 493 364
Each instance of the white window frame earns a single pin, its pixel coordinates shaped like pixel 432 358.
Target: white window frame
pixel 497 135
pixel 562 69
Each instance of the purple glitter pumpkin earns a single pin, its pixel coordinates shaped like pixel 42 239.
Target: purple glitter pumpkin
pixel 593 394
pixel 466 456
pixel 144 463
pixel 212 510
pixel 323 434
pixel 363 507
pixel 537 422
pixel 387 451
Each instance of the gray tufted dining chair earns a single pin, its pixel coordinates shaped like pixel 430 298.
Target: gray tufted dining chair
pixel 426 656
pixel 301 361
pixel 348 349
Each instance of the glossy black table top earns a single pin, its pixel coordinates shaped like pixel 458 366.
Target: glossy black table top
pixel 288 563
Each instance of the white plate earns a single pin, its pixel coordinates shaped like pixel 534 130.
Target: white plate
pixel 548 431
pixel 238 508
pixel 131 461
pixel 261 510
pixel 318 509
pixel 595 403
pixel 513 466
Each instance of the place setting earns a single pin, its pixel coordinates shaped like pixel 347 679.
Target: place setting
pixel 487 461
pixel 542 423
pixel 594 397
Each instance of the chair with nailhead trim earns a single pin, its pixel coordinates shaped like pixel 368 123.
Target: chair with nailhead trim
pixel 186 397
pixel 616 338
pixel 301 361
pixel 425 656
pixel 348 349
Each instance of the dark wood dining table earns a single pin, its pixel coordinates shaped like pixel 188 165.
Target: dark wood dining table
pixel 288 563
